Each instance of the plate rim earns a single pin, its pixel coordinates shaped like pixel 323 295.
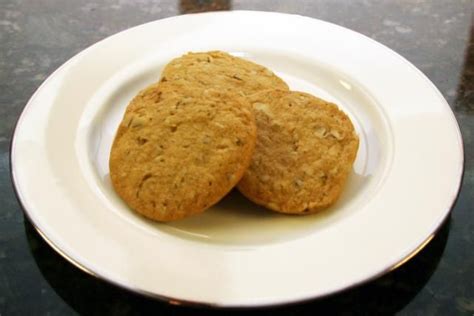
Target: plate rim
pixel 178 301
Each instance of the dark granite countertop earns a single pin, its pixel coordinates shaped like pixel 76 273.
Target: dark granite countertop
pixel 38 36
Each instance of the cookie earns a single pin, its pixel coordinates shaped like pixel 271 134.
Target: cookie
pixel 178 151
pixel 304 153
pixel 221 71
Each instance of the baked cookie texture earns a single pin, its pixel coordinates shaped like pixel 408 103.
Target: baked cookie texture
pixel 221 71
pixel 179 150
pixel 304 153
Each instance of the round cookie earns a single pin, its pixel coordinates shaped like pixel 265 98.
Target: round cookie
pixel 179 151
pixel 304 153
pixel 221 71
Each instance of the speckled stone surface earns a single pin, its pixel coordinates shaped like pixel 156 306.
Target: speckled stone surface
pixel 37 36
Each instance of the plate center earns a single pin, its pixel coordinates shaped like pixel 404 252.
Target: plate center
pixel 235 220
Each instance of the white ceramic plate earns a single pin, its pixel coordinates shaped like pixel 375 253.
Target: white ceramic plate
pixel 405 180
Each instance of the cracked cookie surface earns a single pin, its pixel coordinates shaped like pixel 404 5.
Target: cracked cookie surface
pixel 221 71
pixel 178 151
pixel 304 153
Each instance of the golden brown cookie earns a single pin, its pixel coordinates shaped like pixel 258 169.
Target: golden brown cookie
pixel 178 151
pixel 305 150
pixel 222 71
